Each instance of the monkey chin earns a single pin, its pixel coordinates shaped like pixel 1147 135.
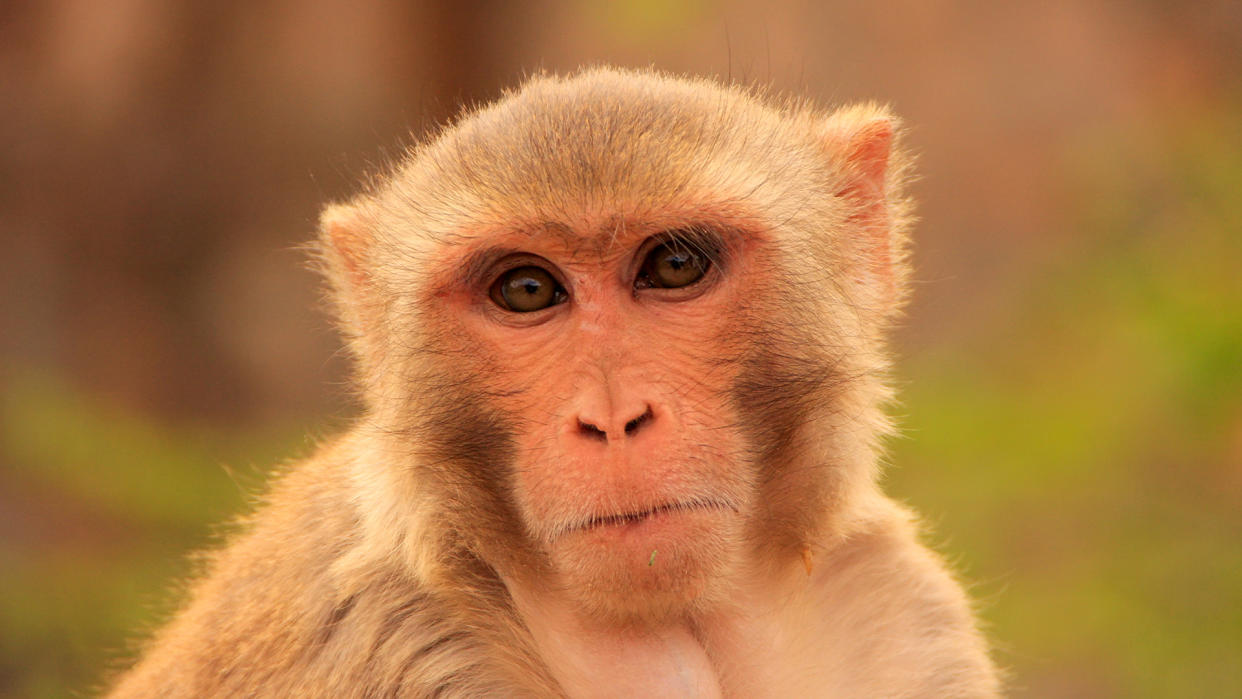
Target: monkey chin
pixel 650 566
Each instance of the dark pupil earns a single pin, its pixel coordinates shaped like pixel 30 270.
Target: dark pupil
pixel 527 289
pixel 674 265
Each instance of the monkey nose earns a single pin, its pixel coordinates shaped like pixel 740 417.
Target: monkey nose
pixel 618 427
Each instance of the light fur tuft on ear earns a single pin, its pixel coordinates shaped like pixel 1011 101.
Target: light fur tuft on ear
pixel 861 142
pixel 344 250
pixel 866 150
pixel 345 241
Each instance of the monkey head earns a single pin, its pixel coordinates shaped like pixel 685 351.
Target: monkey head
pixel 622 335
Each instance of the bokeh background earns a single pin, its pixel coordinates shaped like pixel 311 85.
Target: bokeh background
pixel 1071 367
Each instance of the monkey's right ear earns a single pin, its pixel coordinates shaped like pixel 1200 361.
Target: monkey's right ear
pixel 345 242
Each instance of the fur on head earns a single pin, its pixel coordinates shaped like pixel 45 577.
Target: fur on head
pixel 813 203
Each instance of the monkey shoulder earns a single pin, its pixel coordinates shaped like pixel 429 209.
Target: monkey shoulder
pixel 895 622
pixel 275 617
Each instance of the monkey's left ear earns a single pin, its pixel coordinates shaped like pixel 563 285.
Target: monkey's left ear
pixel 859 141
pixel 864 144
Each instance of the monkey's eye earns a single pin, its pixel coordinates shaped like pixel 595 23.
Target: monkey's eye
pixel 672 265
pixel 526 289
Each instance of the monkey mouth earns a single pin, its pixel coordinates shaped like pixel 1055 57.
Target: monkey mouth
pixel 604 521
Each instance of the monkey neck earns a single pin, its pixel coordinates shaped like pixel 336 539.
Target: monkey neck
pixel 589 659
pixel 693 655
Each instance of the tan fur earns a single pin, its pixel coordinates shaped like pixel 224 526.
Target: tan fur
pixel 421 554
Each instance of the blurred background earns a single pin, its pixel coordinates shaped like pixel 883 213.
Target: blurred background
pixel 1071 368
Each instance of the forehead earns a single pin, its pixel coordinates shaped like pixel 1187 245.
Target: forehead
pixel 596 163
pixel 579 236
pixel 602 233
pixel 611 145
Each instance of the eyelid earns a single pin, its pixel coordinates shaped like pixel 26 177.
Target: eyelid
pixel 508 260
pixel 704 240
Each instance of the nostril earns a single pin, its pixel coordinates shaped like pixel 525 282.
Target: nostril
pixel 632 426
pixel 591 431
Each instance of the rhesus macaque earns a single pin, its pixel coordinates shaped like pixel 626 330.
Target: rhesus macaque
pixel 620 345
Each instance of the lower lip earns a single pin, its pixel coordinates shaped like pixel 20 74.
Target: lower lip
pixel 660 523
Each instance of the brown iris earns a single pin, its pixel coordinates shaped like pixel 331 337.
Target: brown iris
pixel 672 265
pixel 526 289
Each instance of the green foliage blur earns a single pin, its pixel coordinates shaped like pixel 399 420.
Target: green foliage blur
pixel 73 597
pixel 1080 460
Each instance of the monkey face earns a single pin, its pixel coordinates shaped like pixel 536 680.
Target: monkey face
pixel 606 353
pixel 618 346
